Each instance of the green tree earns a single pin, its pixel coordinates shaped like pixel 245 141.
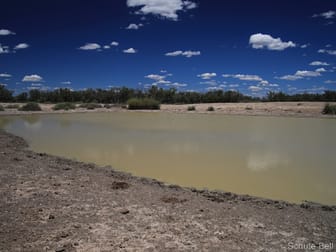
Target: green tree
pixel 5 94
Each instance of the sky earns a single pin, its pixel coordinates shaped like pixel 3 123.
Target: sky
pixel 192 45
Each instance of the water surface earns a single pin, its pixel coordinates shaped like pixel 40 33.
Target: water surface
pixel 280 158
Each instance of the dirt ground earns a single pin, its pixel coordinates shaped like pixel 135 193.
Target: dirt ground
pixel 293 109
pixel 48 203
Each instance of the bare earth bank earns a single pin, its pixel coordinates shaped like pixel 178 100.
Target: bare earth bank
pixel 293 109
pixel 48 203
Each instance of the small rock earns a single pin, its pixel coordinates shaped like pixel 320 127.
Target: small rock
pixel 304 205
pixel 327 208
pixel 61 249
pixel 51 217
pixel 173 200
pixel 124 211
pixel 120 185
pixel 64 235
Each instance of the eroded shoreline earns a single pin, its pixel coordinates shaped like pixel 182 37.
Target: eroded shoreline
pixel 56 204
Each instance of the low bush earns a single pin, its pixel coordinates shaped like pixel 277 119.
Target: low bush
pixel 90 106
pixel 248 108
pixel 211 108
pixel 2 108
pixel 108 106
pixel 191 108
pixel 64 106
pixel 13 106
pixel 329 109
pixel 146 103
pixel 30 106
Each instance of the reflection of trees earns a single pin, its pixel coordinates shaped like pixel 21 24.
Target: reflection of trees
pixel 31 119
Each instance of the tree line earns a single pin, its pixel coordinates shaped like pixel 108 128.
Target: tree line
pixel 166 96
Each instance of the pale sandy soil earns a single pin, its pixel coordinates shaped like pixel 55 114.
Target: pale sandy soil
pixel 293 109
pixel 296 109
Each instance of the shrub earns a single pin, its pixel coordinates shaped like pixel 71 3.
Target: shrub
pixel 108 106
pixel 64 106
pixel 191 108
pixel 211 108
pixel 30 106
pixel 124 106
pixel 90 106
pixel 146 103
pixel 248 108
pixel 13 106
pixel 2 108
pixel 329 109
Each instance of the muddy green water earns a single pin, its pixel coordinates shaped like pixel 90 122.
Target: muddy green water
pixel 291 159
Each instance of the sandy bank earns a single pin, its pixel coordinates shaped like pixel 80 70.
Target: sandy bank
pixel 49 203
pixel 291 109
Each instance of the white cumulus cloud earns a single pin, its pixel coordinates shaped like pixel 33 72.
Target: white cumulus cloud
pixel 305 73
pixel 32 78
pixel 290 77
pixel 260 41
pixel 4 32
pixel 5 75
pixel 161 80
pixel 177 84
pixel 318 63
pixel 305 45
pixel 187 54
pixel 327 15
pixel 330 52
pixel 155 77
pixel 114 43
pixel 163 8
pixel 255 88
pixel 21 46
pixel 300 74
pixel 320 70
pixel 4 49
pixel 245 77
pixel 130 50
pixel 207 76
pixel 90 46
pixel 176 53
pixel 134 26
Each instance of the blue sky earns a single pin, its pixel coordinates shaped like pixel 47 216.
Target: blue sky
pixel 250 46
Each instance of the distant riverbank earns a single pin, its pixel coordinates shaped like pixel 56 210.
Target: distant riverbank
pixel 291 109
pixel 56 204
